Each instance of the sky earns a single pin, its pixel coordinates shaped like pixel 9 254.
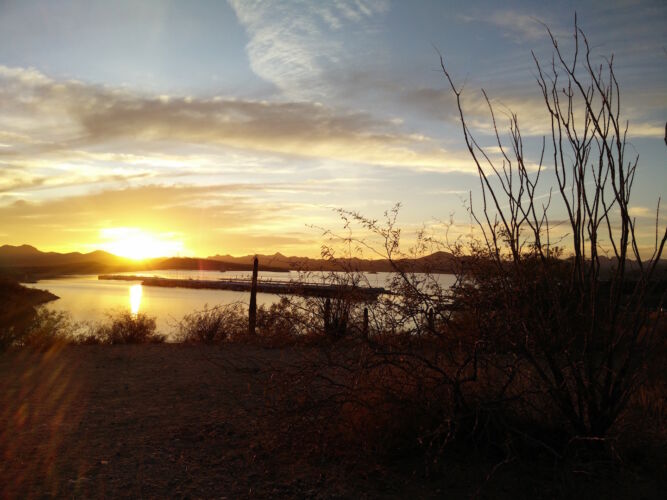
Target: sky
pixel 240 127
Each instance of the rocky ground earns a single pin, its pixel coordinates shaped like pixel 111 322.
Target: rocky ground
pixel 170 420
pixel 153 421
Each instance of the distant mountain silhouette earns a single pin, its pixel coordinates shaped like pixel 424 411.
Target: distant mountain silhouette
pixel 438 262
pixel 27 255
pixel 27 263
pixel 18 250
pixel 187 263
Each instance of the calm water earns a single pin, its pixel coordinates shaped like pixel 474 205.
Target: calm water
pixel 88 299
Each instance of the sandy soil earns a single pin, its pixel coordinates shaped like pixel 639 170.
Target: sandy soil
pixel 153 421
pixel 169 420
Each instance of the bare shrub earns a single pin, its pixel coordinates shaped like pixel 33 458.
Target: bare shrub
pixel 543 340
pixel 214 324
pixel 126 328
pixel 92 335
pixel 48 328
pixel 18 311
pixel 279 324
pixel 282 323
pixel 580 323
pixel 9 331
pixel 292 320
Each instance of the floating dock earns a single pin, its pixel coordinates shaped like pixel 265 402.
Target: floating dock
pixel 361 293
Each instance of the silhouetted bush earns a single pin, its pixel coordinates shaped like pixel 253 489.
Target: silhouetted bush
pixel 18 309
pixel 215 324
pixel 282 323
pixel 581 325
pixel 289 321
pixel 127 328
pixel 9 332
pixel 48 328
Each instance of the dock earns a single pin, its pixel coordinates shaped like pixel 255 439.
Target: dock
pixel 278 287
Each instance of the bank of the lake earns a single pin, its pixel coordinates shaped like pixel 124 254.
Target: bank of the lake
pixel 88 299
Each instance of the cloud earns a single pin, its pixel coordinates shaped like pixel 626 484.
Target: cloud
pixel 297 129
pixel 72 116
pixel 641 212
pixel 639 107
pixel 14 179
pixel 294 244
pixel 293 43
pixel 201 214
pixel 518 26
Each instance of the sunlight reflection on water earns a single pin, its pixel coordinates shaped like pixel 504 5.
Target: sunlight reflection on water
pixel 136 291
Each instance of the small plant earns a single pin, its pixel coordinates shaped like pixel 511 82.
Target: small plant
pixel 48 328
pixel 280 323
pixel 286 321
pixel 127 328
pixel 215 324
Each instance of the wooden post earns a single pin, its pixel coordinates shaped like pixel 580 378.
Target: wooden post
pixel 252 310
pixel 365 330
pixel 327 316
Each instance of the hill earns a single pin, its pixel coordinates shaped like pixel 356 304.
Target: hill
pixel 18 308
pixel 438 262
pixel 26 255
pixel 27 263
pixel 194 264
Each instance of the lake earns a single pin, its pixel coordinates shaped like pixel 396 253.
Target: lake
pixel 86 298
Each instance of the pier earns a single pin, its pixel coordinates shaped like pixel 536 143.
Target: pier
pixel 278 287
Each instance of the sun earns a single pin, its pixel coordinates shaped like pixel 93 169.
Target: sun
pixel 137 244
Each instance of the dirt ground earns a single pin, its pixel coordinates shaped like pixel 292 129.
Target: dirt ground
pixel 170 420
pixel 153 421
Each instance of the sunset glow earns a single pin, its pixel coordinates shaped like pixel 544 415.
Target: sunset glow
pixel 137 244
pixel 208 128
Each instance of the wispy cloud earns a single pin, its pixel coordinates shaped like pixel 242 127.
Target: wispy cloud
pixel 642 212
pixel 641 108
pixel 518 26
pixel 293 43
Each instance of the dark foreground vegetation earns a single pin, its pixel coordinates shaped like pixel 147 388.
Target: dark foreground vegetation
pixel 209 421
pixel 18 309
pixel 307 408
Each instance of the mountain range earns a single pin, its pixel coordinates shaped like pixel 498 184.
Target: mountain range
pixel 28 263
pixel 438 262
